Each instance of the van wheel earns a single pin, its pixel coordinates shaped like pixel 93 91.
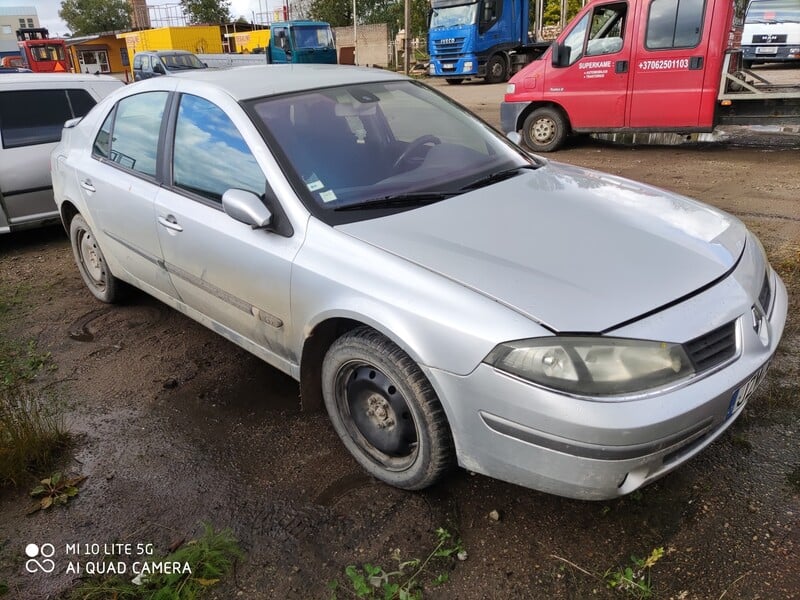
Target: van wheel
pixel 91 263
pixel 545 130
pixel 385 410
pixel 496 69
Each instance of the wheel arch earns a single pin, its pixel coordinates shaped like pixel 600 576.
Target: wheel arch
pixel 532 106
pixel 68 211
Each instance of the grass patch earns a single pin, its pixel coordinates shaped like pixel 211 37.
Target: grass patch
pixel 204 562
pixel 32 434
pixel 20 362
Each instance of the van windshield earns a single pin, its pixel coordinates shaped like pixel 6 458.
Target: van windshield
pixel 773 11
pixel 312 36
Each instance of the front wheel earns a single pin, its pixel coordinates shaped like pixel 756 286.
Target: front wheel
pixel 385 410
pixel 545 130
pixel 91 262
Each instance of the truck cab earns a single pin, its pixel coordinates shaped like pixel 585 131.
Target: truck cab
pixel 641 65
pixel 771 32
pixel 40 53
pixel 302 42
pixel 482 38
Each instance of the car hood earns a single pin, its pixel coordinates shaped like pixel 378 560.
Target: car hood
pixel 573 249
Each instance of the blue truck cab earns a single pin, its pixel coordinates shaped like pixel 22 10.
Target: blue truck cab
pixel 482 38
pixel 302 42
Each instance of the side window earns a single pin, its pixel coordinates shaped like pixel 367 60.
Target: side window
pixel 490 13
pixel 607 30
pixel 102 143
pixel 137 61
pixel 210 155
pixel 137 123
pixel 81 102
pixel 29 117
pixel 674 24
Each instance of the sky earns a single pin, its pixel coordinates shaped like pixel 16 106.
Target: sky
pixel 48 10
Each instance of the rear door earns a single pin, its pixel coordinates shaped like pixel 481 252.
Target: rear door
pixel 670 64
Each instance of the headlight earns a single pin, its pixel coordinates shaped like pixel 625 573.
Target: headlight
pixel 593 366
pixel 511 88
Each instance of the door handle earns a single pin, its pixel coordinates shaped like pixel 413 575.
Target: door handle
pixel 695 63
pixel 170 222
pixel 87 185
pixel 621 66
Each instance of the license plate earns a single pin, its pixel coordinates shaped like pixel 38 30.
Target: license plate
pixel 742 395
pixel 766 50
pixel 448 66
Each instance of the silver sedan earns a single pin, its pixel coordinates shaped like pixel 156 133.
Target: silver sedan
pixel 447 297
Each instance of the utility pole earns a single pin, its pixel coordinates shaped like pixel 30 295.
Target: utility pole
pixel 407 37
pixel 355 34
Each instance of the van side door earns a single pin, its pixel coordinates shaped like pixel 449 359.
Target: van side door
pixel 669 65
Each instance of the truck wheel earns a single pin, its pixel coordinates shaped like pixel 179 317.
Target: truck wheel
pixel 544 130
pixel 385 410
pixel 496 69
pixel 91 263
pixel 454 80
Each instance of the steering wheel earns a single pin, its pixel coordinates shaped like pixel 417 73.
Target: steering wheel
pixel 413 147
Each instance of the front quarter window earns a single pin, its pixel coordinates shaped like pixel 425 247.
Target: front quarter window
pixel 575 38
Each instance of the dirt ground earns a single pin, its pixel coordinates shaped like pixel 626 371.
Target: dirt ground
pixel 174 426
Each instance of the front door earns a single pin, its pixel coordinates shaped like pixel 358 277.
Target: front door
pixel 237 276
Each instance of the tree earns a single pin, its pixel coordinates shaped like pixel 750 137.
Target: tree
pixel 339 13
pixel 552 11
pixel 208 12
pixel 95 16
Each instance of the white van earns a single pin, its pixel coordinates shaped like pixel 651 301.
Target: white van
pixel 771 32
pixel 33 109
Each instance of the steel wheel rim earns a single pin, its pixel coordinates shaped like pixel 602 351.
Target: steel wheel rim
pixel 544 130
pixel 91 259
pixel 376 415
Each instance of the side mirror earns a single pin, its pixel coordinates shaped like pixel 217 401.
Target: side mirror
pixel 159 68
pixel 560 55
pixel 514 137
pixel 246 208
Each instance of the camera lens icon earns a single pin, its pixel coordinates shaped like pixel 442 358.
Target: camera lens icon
pixel 40 558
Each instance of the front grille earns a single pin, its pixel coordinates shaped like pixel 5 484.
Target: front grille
pixel 765 295
pixel 451 47
pixel 713 348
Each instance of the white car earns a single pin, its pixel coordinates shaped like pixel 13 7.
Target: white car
pixel 33 109
pixel 446 296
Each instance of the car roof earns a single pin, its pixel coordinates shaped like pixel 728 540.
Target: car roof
pixel 24 79
pixel 255 81
pixel 165 52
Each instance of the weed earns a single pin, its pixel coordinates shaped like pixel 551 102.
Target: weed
pixel 372 582
pixel 204 562
pixel 20 362
pixel 54 491
pixel 3 588
pixel 634 578
pixel 32 434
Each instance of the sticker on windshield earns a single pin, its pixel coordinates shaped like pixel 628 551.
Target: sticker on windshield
pixel 328 196
pixel 315 185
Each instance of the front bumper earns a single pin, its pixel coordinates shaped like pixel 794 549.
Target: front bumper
pixel 780 54
pixel 511 430
pixel 509 115
pixel 464 66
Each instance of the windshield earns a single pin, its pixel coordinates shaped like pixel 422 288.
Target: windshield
pixel 396 143
pixel 453 16
pixel 306 36
pixel 47 52
pixel 773 11
pixel 177 62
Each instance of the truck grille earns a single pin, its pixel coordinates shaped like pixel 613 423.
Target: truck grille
pixel 712 348
pixel 449 47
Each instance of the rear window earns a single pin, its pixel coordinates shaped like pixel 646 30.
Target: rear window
pixel 30 117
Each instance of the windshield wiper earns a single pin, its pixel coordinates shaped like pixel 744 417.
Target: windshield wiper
pixel 395 200
pixel 498 176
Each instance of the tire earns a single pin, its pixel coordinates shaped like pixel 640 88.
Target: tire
pixel 545 130
pixel 454 80
pixel 91 263
pixel 496 69
pixel 385 411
